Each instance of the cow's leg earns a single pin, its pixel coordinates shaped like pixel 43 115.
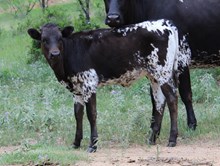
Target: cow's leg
pixel 78 111
pixel 186 96
pixel 158 102
pixel 92 115
pixel 171 98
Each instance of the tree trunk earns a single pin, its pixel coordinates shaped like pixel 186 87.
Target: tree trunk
pixel 43 4
pixel 86 9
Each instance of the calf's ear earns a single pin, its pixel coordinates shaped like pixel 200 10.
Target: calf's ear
pixel 67 31
pixel 34 34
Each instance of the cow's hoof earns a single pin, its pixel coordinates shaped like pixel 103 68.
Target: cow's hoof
pixel 192 126
pixel 92 149
pixel 171 144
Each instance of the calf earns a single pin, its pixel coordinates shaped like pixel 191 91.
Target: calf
pixel 84 60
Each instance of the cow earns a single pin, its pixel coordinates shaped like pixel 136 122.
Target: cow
pixel 83 61
pixel 198 19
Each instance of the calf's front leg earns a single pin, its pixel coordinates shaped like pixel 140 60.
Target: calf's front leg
pixel 78 111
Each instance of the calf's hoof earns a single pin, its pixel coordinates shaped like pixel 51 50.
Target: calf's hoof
pixel 150 142
pixel 171 144
pixel 75 146
pixel 153 137
pixel 92 149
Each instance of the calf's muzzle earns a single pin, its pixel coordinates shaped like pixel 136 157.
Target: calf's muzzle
pixel 54 53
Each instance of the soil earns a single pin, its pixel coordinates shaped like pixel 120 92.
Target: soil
pixel 195 154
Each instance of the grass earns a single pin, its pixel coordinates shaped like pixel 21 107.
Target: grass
pixel 43 155
pixel 34 106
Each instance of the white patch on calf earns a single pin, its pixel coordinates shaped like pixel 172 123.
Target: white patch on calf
pixel 154 26
pixel 139 59
pixel 151 26
pixel 84 85
pixel 184 55
pixel 158 96
pixel 161 73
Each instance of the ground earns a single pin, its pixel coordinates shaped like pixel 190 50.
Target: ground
pixel 199 154
pixel 203 153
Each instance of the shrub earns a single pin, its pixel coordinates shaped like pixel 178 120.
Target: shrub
pixel 35 53
pixel 80 23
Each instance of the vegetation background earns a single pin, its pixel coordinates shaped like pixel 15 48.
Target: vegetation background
pixel 36 112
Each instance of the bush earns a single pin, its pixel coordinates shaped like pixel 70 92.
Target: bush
pixel 80 23
pixel 35 53
pixel 59 17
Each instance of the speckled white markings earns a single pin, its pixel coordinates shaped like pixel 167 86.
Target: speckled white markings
pixel 84 85
pixel 140 60
pixel 184 55
pixel 161 73
pixel 152 26
pixel 158 96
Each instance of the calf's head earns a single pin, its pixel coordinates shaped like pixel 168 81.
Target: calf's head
pixel 116 11
pixel 51 38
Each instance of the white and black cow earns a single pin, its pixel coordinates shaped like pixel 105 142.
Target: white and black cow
pixel 84 60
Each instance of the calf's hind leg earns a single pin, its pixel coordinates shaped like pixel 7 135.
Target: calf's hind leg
pixel 171 98
pixel 92 115
pixel 158 103
pixel 186 96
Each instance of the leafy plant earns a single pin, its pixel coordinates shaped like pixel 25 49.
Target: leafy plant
pixel 21 7
pixel 81 24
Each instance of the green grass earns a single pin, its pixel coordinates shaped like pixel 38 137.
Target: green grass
pixel 43 155
pixel 34 106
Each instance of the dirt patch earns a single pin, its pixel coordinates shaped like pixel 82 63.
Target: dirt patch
pixel 196 154
pixel 8 149
pixel 199 154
